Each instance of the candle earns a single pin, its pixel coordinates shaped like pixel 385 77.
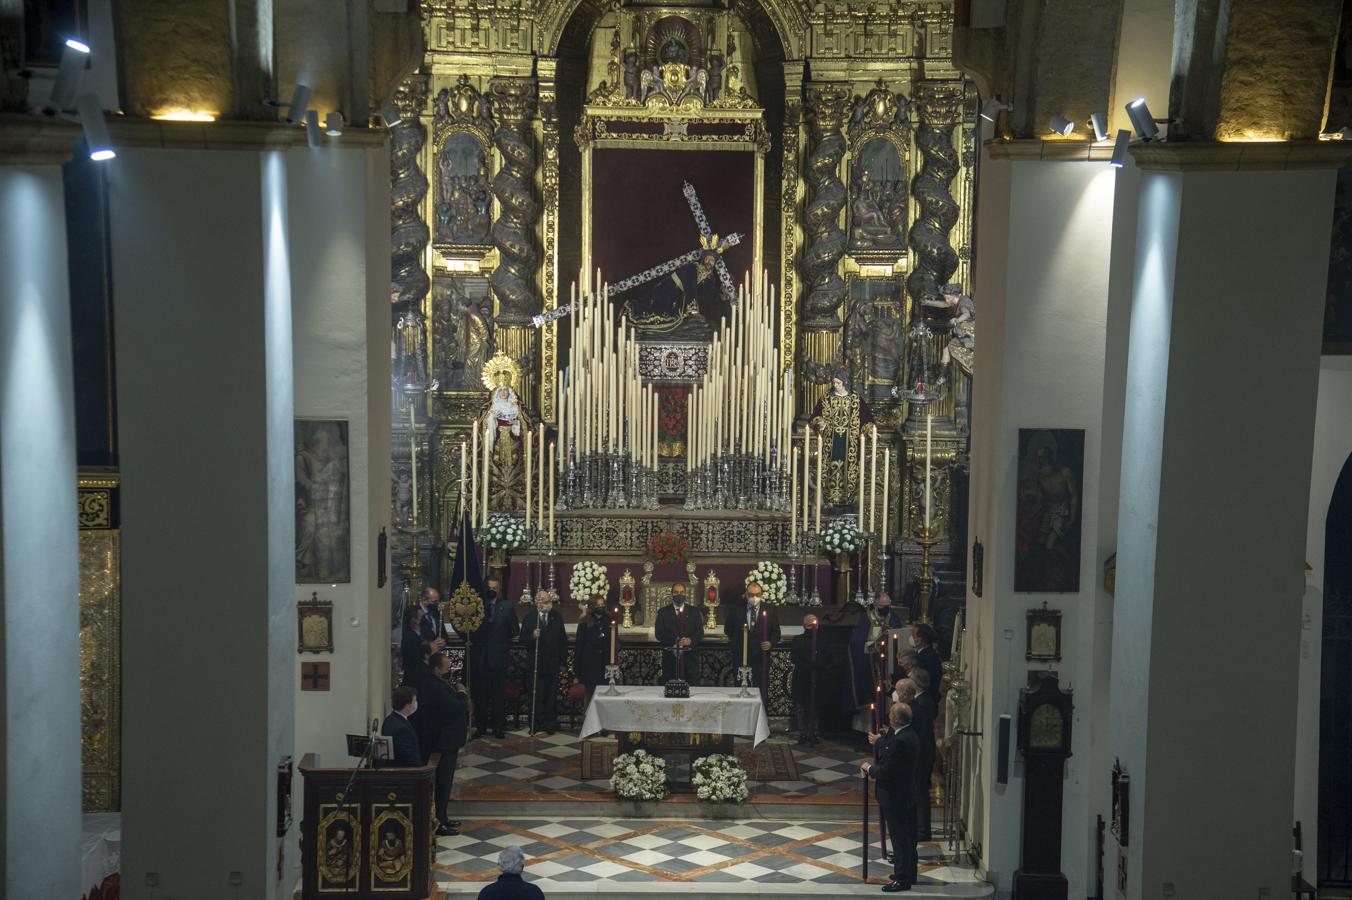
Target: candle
pixel 873 482
pixel 745 659
pixel 413 455
pixel 862 446
pixel 793 500
pixel 540 487
pixel 529 442
pixel 817 515
pixel 887 477
pixel 807 480
pixel 929 425
pixel 614 627
pixel 474 474
pixel 462 476
pixel 488 475
pixel 552 498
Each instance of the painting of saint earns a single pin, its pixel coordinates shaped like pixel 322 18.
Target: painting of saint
pixel 878 198
pixel 323 548
pixel 1050 491
pixel 464 199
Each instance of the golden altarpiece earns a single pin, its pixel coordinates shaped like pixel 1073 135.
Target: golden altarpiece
pixel 559 150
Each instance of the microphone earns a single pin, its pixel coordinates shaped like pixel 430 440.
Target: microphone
pixel 375 725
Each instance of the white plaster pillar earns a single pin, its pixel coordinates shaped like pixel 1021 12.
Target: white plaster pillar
pixel 39 571
pixel 1043 291
pixel 1231 263
pixel 203 319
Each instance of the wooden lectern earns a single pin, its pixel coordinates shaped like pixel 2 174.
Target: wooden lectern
pixel 375 840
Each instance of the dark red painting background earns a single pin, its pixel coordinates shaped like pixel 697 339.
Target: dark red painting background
pixel 640 217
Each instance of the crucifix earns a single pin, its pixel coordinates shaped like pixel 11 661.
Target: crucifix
pixel 708 241
pixel 314 676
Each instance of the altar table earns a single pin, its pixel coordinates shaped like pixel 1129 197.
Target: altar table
pixel 708 710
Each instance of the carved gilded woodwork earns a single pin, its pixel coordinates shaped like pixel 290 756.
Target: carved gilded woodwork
pixel 826 109
pixel 100 642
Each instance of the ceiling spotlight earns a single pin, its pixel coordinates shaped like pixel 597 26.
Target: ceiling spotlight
pixel 73 59
pixel 333 124
pixel 992 109
pixel 95 128
pixel 1099 122
pixel 1061 125
pixel 390 115
pixel 300 99
pixel 312 135
pixel 1141 119
pixel 1120 147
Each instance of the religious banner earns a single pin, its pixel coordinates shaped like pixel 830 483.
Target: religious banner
pixel 323 546
pixel 1051 488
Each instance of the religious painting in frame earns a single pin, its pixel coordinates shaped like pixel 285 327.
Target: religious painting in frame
pixel 314 626
pixel 323 502
pixel 462 331
pixel 1047 510
pixel 1044 635
pixel 874 334
pixel 392 848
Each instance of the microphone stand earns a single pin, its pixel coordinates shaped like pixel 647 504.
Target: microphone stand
pixel 368 759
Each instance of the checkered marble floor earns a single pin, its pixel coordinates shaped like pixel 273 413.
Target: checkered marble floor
pixel 522 767
pixel 624 856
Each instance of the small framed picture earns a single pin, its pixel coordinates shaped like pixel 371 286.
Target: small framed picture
pixel 314 625
pixel 1121 820
pixel 1044 635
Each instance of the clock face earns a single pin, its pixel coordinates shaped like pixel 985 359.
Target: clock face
pixel 1046 728
pixel 1042 641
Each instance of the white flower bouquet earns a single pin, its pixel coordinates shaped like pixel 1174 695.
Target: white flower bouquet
pixel 774 586
pixel 505 533
pixel 842 536
pixel 587 581
pixel 719 778
pixel 639 776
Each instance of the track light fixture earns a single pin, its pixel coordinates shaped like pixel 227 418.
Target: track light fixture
pixel 73 58
pixel 1061 125
pixel 1099 123
pixel 1141 119
pixel 300 100
pixel 389 114
pixel 333 124
pixel 312 133
pixel 95 128
pixel 1120 147
pixel 993 108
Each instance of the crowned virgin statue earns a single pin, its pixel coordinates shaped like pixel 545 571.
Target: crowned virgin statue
pixel 840 417
pixel 502 421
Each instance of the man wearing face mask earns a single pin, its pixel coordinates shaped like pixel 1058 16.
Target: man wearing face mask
pixel 679 625
pixel 806 676
pixel 760 626
pixel 593 646
pixel 502 628
pixel 542 630
pixel 479 677
pixel 404 700
pixel 868 642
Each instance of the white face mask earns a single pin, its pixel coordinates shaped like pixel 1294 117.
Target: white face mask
pixel 546 609
pixel 414 709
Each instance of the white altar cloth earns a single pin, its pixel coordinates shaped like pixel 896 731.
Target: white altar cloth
pixel 708 710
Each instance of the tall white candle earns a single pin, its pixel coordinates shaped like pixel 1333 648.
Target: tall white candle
pixel 929 434
pixel 529 442
pixel 413 454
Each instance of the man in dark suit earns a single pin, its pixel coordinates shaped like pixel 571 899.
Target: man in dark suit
pixel 510 885
pixel 443 712
pixel 431 610
pixel 679 625
pixel 592 649
pixel 807 666
pixel 478 676
pixel 924 711
pixel 894 774
pixel 404 700
pixel 543 629
pixel 411 646
pixel 923 637
pixel 502 628
pixel 760 625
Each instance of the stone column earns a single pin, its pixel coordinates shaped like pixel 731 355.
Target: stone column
pixel 1047 230
pixel 39 576
pixel 513 281
pixel 204 395
pixel 1228 299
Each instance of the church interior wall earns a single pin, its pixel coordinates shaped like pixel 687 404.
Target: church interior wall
pixel 1053 292
pixel 39 578
pixel 207 458
pixel 1143 62
pixel 1332 449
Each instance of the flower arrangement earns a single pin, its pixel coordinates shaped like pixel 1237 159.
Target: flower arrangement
pixel 667 547
pixel 672 411
pixel 719 778
pixel 639 776
pixel 841 536
pixel 771 579
pixel 588 580
pixel 505 533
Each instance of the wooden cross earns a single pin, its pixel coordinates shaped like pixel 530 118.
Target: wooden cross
pixel 314 676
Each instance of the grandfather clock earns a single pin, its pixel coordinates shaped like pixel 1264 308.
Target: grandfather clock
pixel 1044 741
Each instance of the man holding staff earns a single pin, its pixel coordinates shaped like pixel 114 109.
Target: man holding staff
pixel 752 629
pixel 546 645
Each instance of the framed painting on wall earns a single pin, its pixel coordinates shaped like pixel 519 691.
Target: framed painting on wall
pixel 323 540
pixel 1047 512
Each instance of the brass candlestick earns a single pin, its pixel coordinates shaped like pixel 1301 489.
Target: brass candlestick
pixel 926 579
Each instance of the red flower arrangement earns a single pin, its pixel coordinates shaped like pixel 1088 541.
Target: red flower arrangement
pixel 667 547
pixel 671 414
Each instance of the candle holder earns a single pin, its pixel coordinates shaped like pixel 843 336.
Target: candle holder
pixel 792 597
pixel 612 677
pixel 816 561
pixel 744 680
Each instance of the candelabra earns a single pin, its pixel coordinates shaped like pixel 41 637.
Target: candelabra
pixel 926 578
pixel 792 597
pixel 744 679
pixel 815 540
pixel 613 676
